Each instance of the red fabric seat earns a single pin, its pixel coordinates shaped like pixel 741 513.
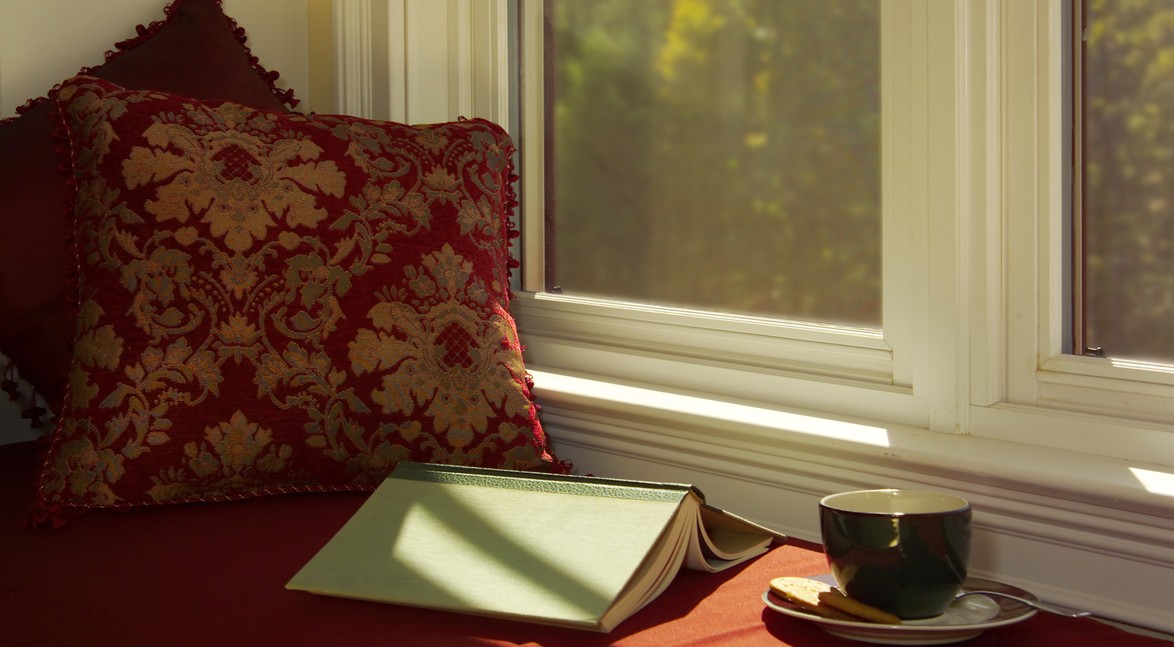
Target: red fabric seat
pixel 214 574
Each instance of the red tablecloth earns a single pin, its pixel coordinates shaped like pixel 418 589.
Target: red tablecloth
pixel 214 575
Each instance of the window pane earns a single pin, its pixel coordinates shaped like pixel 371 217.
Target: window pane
pixel 717 154
pixel 1128 178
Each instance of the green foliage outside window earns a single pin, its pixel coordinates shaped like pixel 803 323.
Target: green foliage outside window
pixel 1129 178
pixel 719 154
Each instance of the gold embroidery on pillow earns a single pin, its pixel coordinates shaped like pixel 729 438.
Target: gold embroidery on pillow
pixel 441 355
pixel 97 347
pixel 241 271
pixel 240 180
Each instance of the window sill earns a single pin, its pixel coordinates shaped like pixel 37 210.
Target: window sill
pixel 1075 476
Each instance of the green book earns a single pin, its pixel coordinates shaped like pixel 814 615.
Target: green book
pixel 573 551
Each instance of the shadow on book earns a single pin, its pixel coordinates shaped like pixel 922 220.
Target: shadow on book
pixel 573 551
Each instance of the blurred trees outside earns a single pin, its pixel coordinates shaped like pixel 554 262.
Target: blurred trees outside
pixel 1129 178
pixel 719 154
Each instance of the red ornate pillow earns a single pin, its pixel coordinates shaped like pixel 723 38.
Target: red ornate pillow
pixel 196 51
pixel 277 303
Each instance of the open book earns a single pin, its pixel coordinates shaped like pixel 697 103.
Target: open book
pixel 575 551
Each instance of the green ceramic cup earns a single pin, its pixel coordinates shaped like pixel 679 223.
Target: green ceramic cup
pixel 904 551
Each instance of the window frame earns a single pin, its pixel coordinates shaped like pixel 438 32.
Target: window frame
pixel 1099 405
pixel 634 341
pixel 973 292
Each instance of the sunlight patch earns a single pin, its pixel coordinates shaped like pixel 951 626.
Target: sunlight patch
pixel 1155 482
pixel 690 406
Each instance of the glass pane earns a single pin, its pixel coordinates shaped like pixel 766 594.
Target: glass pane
pixel 717 154
pixel 1128 180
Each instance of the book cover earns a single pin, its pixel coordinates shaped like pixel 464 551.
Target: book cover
pixel 574 551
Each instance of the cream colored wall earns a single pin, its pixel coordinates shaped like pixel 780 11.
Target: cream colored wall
pixel 279 34
pixel 43 42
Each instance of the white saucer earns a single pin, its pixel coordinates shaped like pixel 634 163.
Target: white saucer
pixel 963 620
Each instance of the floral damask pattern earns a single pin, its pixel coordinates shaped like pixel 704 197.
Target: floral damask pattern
pixel 273 303
pixel 237 171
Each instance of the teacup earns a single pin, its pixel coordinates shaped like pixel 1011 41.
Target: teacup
pixel 903 551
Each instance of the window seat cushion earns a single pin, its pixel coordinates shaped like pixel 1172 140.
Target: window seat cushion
pixel 214 574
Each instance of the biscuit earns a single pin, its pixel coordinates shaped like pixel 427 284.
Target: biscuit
pixel 827 601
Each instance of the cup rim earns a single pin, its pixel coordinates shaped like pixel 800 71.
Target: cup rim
pixel 952 503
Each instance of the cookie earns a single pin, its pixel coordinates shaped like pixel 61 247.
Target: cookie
pixel 827 601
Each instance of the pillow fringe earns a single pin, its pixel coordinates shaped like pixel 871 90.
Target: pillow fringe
pixel 43 515
pixel 9 384
pixel 65 163
pixel 511 204
pixel 32 411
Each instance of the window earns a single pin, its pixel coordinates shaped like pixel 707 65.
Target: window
pixel 1124 296
pixel 747 318
pixel 976 337
pixel 716 155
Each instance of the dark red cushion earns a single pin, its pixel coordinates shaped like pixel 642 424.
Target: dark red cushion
pixel 195 50
pixel 215 575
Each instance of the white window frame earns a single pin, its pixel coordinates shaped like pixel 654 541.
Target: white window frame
pixel 1025 389
pixel 973 289
pixel 822 367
